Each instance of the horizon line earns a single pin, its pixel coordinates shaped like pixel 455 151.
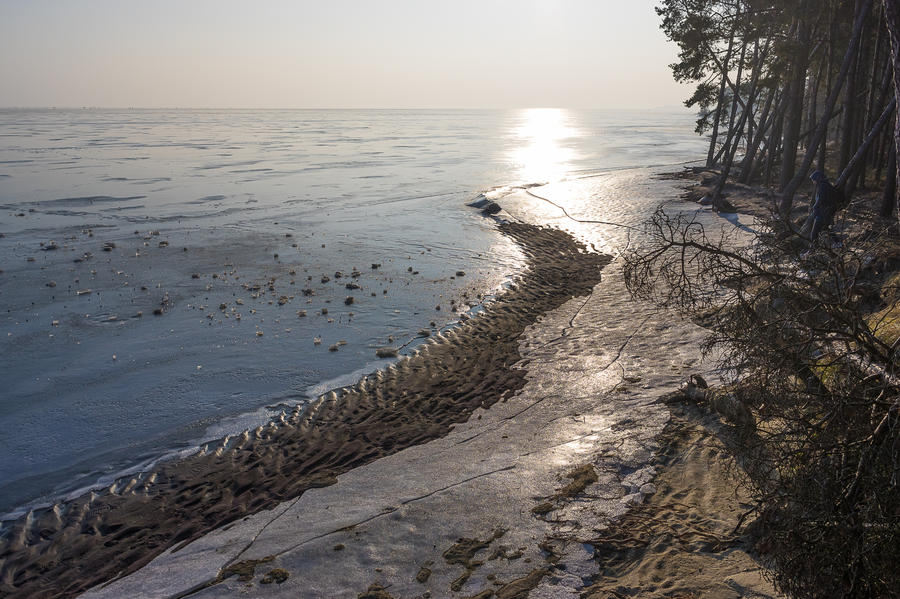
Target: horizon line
pixel 51 107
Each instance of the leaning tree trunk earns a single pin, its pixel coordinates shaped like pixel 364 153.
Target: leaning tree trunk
pixel 729 160
pixel 762 126
pixel 720 104
pixel 736 96
pixel 857 161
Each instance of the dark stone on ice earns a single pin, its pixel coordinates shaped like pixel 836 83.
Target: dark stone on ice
pixel 491 208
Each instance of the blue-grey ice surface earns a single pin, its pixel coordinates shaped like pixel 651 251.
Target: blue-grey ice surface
pixel 220 220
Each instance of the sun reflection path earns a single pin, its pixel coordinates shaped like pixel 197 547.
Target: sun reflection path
pixel 541 154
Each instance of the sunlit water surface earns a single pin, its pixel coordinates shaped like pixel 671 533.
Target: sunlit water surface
pixel 220 220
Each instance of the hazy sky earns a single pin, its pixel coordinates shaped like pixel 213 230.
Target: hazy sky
pixel 335 53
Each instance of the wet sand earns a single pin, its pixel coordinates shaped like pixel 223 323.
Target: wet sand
pixel 66 549
pixel 687 539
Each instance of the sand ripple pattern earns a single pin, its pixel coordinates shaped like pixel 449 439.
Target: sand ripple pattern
pixel 71 547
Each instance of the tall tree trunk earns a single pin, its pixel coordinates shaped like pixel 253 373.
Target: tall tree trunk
pixel 887 76
pixel 892 20
pixel 749 134
pixel 773 143
pixel 873 96
pixel 787 196
pixel 853 121
pixel 848 118
pixel 813 95
pixel 832 25
pixel 889 197
pixel 794 114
